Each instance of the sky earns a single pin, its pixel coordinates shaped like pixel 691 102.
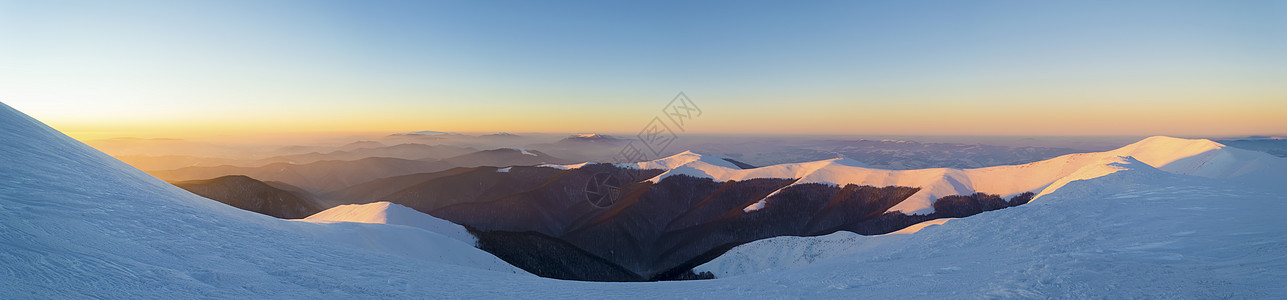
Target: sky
pixel 181 69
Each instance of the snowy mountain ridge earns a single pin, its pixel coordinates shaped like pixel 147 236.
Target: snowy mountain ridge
pixel 1124 223
pixel 1198 157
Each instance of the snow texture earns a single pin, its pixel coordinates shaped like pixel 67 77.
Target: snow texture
pixel 1134 232
pixel 388 213
pixel 758 205
pixel 922 225
pixel 76 223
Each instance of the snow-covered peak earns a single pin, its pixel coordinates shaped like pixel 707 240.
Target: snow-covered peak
pixel 687 163
pixel 592 138
pixel 669 163
pixel 1197 157
pixel 1205 158
pixel 388 213
pixel 1162 150
pixel 1173 142
pixel 683 158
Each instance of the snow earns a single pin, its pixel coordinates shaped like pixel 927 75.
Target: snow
pixel 1135 232
pixel 922 225
pixel 76 223
pixel 564 167
pixel 786 252
pixel 384 212
pixel 758 205
pixel 503 170
pixel 692 163
pixel 1183 156
pixel 1103 167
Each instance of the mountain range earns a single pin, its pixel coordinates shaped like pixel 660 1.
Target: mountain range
pixel 270 198
pixel 325 176
pixel 676 212
pixel 888 154
pixel 1162 218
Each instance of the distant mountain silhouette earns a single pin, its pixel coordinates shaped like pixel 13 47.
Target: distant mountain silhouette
pixel 504 157
pixel 591 138
pixel 361 144
pixel 403 151
pixel 884 154
pixel 425 132
pixel 170 162
pixel 326 176
pixel 501 135
pixel 316 177
pixel 379 189
pixel 158 147
pixel 353 151
pixel 250 194
pixel 591 146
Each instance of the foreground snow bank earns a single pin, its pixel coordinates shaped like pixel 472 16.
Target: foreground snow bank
pixel 76 223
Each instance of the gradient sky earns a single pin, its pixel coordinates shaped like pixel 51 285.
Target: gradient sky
pixel 100 69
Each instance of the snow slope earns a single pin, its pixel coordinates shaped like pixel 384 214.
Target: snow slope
pixel 75 223
pixel 1183 156
pixel 788 252
pixel 384 212
pixel 922 225
pixel 1135 232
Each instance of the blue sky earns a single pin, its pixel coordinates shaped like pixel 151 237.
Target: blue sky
pixel 820 67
